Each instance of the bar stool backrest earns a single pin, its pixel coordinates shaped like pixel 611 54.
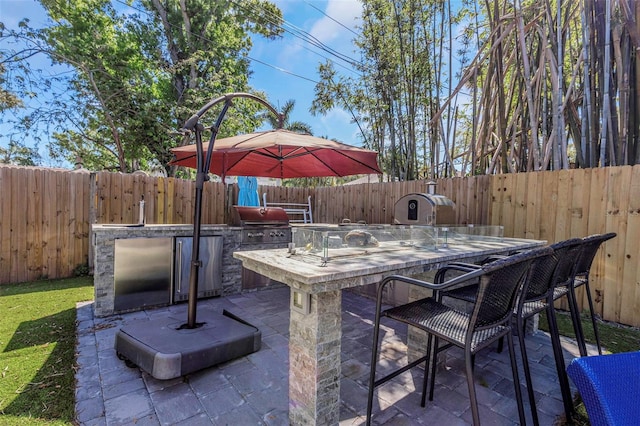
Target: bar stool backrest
pixel 568 252
pixel 499 286
pixel 590 246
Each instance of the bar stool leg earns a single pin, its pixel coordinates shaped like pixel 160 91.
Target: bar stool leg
pixel 559 358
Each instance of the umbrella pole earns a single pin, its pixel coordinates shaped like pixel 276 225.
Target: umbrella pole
pixel 195 250
pixel 202 175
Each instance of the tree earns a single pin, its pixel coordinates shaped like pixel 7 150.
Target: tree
pixel 287 124
pixel 403 73
pixel 139 76
pixel 8 99
pixel 19 155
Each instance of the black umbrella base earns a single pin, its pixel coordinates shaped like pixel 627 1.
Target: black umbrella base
pixel 165 350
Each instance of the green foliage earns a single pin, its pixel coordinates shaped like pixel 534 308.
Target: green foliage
pixel 402 75
pixel 137 77
pixel 37 350
pixel 287 124
pixel 81 270
pixel 19 155
pixel 7 98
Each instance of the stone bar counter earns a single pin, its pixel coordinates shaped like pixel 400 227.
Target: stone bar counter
pixel 315 331
pixel 103 241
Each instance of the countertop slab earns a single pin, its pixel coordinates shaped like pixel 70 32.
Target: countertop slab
pixel 308 272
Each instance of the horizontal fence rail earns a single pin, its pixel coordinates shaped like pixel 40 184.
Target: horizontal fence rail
pixel 46 215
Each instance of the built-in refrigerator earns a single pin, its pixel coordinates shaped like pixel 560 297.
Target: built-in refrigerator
pixel 155 271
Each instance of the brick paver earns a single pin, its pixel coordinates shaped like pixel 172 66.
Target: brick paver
pixel 254 389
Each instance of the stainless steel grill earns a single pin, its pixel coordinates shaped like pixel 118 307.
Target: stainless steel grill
pixel 262 228
pixel 424 209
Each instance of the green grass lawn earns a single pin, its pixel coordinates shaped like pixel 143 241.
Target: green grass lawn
pixel 37 350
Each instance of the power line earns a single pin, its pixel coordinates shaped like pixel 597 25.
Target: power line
pixel 334 20
pixel 299 33
pixel 295 32
pixel 282 70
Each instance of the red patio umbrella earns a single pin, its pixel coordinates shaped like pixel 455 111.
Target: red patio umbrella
pixel 281 154
pixel 276 153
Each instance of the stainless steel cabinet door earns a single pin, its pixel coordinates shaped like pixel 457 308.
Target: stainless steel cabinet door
pixel 142 272
pixel 209 275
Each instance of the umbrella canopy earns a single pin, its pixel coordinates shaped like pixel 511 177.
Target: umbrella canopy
pixel 281 154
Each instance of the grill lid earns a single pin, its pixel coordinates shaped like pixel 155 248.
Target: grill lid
pixel 261 216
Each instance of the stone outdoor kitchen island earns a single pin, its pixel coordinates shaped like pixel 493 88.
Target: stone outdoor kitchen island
pixel 315 321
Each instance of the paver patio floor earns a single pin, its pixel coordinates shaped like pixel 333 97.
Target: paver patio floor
pixel 253 390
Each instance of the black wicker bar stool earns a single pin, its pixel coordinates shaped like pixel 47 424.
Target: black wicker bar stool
pixel 547 280
pixel 590 246
pixel 490 319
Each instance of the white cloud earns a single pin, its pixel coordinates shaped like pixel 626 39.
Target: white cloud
pixel 291 51
pixel 346 12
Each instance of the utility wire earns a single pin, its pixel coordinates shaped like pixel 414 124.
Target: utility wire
pixel 334 20
pixel 282 70
pixel 295 32
pixel 301 34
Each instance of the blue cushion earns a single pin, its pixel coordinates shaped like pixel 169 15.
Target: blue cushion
pixel 609 386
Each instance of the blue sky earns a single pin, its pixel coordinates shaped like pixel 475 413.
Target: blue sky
pixel 284 69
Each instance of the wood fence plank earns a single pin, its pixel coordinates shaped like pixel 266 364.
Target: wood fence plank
pixel 100 214
pixel 6 201
pixel 563 206
pixel 66 201
pixel 33 236
pixel 137 192
pixel 534 193
pixel 580 186
pixel 18 228
pixel 519 205
pixel 549 201
pixel 84 225
pixel 169 201
pixel 474 203
pixel 496 194
pixel 161 202
pixel 616 221
pixel 597 224
pixel 487 197
pixel 508 213
pixel 116 199
pixel 128 206
pixel 50 227
pixel 76 198
pixel 630 255
pixel 81 228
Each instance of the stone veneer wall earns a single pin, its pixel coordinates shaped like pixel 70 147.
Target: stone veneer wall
pixel 103 240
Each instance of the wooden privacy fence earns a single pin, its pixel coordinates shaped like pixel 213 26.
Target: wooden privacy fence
pixel 44 223
pixel 46 215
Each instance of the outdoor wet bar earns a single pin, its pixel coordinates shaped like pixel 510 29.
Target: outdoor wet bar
pixel 322 262
pixel 147 253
